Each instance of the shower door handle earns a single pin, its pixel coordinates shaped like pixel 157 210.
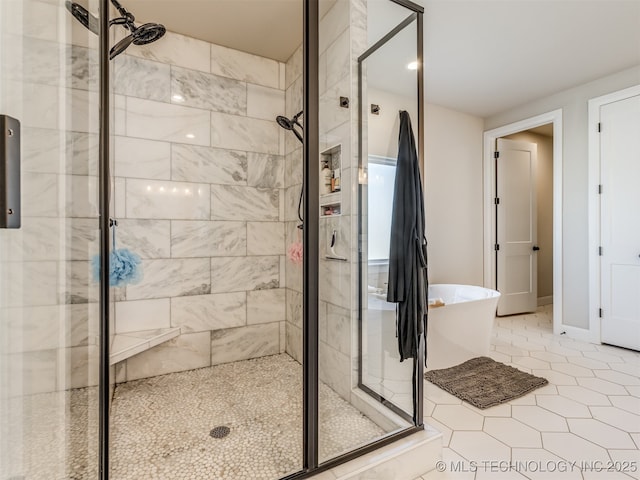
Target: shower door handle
pixel 536 248
pixel 9 172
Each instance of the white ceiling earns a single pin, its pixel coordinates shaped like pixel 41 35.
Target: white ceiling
pixel 482 56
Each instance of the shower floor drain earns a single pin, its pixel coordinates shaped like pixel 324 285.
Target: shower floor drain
pixel 220 432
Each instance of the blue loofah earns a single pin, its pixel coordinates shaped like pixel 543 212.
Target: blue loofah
pixel 124 266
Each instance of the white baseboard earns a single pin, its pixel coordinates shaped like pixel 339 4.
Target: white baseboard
pixel 548 300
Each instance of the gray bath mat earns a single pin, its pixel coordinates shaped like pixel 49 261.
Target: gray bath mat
pixel 483 382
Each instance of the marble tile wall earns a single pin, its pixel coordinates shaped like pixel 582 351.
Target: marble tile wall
pixel 200 173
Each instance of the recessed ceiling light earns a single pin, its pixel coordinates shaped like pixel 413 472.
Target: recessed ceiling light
pixel 177 98
pixel 190 135
pixel 413 66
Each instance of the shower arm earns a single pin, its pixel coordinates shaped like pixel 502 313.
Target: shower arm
pixel 127 19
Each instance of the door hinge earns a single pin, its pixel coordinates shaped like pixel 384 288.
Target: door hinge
pixel 496 201
pixel 600 312
pixel 496 154
pixel 600 189
pixel 599 127
pixel 600 251
pixel 496 247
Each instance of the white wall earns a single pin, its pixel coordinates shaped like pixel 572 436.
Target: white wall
pixel 575 180
pixel 383 129
pixel 544 207
pixel 453 195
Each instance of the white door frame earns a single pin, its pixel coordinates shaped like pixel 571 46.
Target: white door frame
pixel 594 203
pixel 489 187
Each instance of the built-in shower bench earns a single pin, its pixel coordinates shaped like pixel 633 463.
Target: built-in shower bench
pixel 128 344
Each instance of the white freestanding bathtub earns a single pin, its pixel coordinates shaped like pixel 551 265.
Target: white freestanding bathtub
pixel 461 329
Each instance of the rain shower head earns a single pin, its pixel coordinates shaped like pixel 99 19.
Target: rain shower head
pixel 83 16
pixel 142 35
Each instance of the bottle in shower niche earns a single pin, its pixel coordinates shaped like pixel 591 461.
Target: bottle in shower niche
pixel 336 180
pixel 325 179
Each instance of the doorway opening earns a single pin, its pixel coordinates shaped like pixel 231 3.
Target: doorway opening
pixel 544 244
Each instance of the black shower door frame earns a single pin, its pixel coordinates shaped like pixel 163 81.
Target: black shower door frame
pixel 311 150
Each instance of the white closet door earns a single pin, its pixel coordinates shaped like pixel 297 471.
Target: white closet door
pixel 620 222
pixel 516 258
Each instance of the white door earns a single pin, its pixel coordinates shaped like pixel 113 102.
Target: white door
pixel 620 222
pixel 516 259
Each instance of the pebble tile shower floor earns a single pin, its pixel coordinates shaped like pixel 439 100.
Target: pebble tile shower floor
pixel 161 426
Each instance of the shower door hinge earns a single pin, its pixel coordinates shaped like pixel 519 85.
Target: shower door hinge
pixel 600 251
pixel 600 312
pixel 344 102
pixel 600 189
pixel 599 127
pixel 496 247
pixel 496 154
pixel 496 201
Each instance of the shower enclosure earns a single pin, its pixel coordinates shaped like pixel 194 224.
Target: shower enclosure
pixel 231 357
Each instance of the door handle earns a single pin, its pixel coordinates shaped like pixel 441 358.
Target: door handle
pixel 536 248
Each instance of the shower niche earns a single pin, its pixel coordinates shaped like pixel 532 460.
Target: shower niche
pixel 331 181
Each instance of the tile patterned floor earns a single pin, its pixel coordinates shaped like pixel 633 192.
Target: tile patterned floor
pixel 584 425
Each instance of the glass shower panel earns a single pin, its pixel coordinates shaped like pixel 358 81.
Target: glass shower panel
pixel 389 85
pixel 49 311
pixel 348 417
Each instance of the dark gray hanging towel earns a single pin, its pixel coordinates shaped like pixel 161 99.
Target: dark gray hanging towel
pixel 408 248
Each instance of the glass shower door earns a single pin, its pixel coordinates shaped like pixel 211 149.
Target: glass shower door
pixel 49 306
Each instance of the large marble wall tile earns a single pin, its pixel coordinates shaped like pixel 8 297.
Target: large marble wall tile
pixel 37 240
pixel 84 67
pixel 147 238
pixel 81 112
pixel 176 49
pixel 39 195
pixel 205 164
pixel 140 78
pixel 265 171
pixel 264 102
pixel 282 76
pixel 205 90
pixel 338 59
pixel 337 287
pixel 32 283
pixel 339 328
pixel 208 239
pixel 294 342
pixel 167 200
pixel 293 167
pixel 243 343
pixel 40 111
pixel 283 335
pixel 266 306
pixel 335 21
pixel 119 122
pixel 243 66
pixel 291 203
pixel 119 196
pixel 172 278
pixel 331 114
pixel 243 133
pixel 335 370
pixel 138 158
pixel 244 203
pixel 78 284
pixel 234 274
pixel 42 150
pixel 33 328
pixel 81 367
pixel 81 154
pixel 39 61
pixel 81 237
pixel 185 352
pixel 293 68
pixel 265 238
pixel 163 121
pixel 294 307
pixel 80 195
pixel 138 315
pixel 209 312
